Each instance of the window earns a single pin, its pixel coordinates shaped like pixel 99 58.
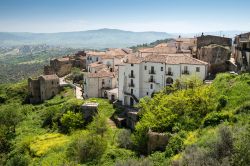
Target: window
pixel 52 83
pixel 197 69
pixel 103 81
pixel 145 67
pixel 161 68
pixel 90 58
pixel 147 93
pixel 132 91
pixel 132 64
pixel 169 69
pixel 185 68
pixel 151 86
pixel 96 58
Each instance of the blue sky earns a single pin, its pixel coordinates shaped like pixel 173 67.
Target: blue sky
pixel 174 16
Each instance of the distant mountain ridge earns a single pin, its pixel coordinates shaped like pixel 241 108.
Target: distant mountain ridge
pixel 95 39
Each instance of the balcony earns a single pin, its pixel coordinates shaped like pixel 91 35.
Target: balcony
pixel 131 76
pixel 151 80
pixel 152 72
pixel 169 73
pixel 131 85
pixel 185 72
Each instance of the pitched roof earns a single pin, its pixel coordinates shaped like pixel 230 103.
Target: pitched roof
pixel 101 74
pixel 173 59
pixel 96 64
pixel 133 59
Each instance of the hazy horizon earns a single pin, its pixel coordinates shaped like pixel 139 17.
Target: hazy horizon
pixel 179 16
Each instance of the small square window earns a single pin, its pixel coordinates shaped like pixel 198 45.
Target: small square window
pixel 197 69
pixel 147 93
pixel 132 64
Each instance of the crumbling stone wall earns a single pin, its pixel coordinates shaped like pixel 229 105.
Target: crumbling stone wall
pixel 156 141
pixel 34 90
pixel 48 87
pixel 131 119
pixel 209 39
pixel 216 56
pixel 63 66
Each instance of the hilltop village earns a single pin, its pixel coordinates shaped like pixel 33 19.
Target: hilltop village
pixel 124 76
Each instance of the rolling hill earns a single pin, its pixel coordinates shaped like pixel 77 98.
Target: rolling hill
pixel 95 39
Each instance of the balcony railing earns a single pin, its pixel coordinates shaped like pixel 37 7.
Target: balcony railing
pixel 169 73
pixel 185 72
pixel 131 85
pixel 151 72
pixel 151 80
pixel 131 76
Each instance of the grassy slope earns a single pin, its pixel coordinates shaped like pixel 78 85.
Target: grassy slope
pixel 44 146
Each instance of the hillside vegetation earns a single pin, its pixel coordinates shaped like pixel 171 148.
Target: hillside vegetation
pixel 21 62
pixel 207 125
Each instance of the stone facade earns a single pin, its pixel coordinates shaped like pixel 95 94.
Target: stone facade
pixel 89 110
pixel 241 51
pixel 62 66
pixel 43 88
pixel 205 40
pixel 214 50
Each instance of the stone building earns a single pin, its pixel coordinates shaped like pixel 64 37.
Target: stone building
pixel 214 50
pixel 62 66
pixel 241 51
pixel 43 88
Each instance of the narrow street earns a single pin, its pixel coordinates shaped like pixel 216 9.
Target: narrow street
pixel 77 89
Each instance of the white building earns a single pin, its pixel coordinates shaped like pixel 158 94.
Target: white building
pixel 110 58
pixel 139 77
pixel 98 84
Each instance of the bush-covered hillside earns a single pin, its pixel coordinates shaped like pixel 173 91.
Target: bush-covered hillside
pixel 207 125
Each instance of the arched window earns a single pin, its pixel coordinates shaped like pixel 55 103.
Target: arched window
pixel 169 81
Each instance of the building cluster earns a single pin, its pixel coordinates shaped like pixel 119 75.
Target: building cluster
pixel 124 75
pixel 48 85
pixel 101 78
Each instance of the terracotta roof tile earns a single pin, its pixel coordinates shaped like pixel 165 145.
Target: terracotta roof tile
pixel 174 59
pixel 96 64
pixel 101 74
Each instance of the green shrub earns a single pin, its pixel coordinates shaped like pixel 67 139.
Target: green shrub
pixel 89 148
pixel 215 118
pixel 175 145
pixel 244 108
pixel 71 121
pixel 18 160
pixel 123 138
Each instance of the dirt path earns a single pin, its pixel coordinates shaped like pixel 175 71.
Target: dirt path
pixel 111 123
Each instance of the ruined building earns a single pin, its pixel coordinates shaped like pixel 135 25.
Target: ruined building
pixel 43 88
pixel 241 51
pixel 62 66
pixel 214 50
